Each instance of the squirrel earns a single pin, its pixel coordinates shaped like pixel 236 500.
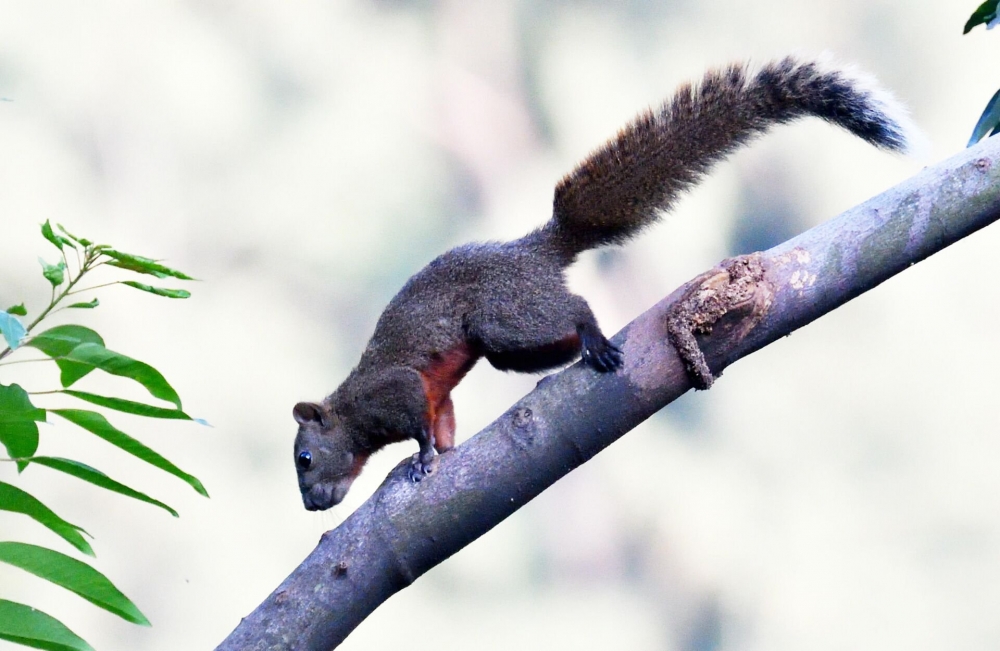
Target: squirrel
pixel 508 301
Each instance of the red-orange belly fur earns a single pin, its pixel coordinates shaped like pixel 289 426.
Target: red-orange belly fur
pixel 445 370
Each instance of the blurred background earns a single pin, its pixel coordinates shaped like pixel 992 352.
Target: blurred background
pixel 835 490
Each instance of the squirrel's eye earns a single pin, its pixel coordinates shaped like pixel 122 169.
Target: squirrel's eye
pixel 304 459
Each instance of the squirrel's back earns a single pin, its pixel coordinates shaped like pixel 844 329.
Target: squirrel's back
pixel 620 187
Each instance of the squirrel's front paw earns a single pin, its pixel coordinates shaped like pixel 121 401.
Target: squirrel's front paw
pixel 421 467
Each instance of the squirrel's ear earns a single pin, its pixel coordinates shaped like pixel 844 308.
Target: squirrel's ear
pixel 310 412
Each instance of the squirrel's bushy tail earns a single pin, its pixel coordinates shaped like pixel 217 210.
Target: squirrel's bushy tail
pixel 621 187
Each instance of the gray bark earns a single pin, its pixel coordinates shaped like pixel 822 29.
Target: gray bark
pixel 405 529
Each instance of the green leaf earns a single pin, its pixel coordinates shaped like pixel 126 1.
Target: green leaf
pixel 16 500
pixel 142 265
pixel 24 625
pixel 114 363
pixel 96 423
pixel 988 121
pixel 59 341
pixel 18 431
pixel 131 407
pixel 73 575
pixel 18 310
pixel 78 350
pixel 983 15
pixel 50 236
pixel 159 291
pixel 13 331
pixel 89 305
pixel 54 273
pixel 82 240
pixel 97 478
pixel 57 240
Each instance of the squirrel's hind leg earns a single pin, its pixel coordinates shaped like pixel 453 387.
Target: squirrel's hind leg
pixel 529 337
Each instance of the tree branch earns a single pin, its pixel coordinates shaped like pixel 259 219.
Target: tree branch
pixel 405 529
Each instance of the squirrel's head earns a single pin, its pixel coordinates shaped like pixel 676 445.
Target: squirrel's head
pixel 325 457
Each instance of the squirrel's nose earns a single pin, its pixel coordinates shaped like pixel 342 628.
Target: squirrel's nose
pixel 319 497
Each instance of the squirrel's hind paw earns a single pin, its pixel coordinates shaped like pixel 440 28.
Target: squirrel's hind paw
pixel 602 355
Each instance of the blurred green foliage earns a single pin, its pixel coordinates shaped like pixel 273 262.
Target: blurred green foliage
pixel 989 121
pixel 77 351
